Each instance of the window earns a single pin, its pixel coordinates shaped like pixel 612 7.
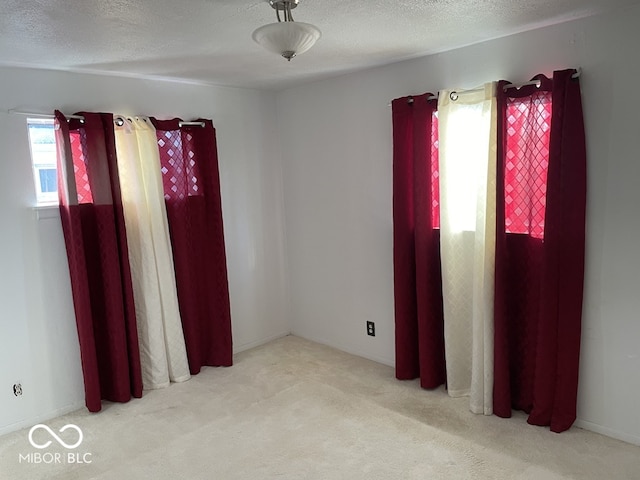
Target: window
pixel 48 180
pixel 43 158
pixel 528 134
pixel 527 163
pixel 463 163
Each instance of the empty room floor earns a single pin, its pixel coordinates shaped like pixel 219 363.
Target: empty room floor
pixel 295 409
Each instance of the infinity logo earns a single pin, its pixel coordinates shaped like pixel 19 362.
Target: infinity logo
pixel 56 437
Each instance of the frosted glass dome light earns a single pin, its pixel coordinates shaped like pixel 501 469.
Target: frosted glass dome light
pixel 286 37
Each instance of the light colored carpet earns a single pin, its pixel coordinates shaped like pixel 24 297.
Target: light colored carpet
pixel 294 409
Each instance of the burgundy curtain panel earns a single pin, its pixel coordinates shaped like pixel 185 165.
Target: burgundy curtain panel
pixel 416 244
pixel 189 164
pixel 95 239
pixel 540 247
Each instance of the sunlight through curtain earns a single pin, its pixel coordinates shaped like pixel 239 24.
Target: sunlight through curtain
pixel 142 220
pixel 417 281
pixel 162 349
pixel 96 242
pixel 511 205
pixel 467 124
pixel 191 185
pixel 540 249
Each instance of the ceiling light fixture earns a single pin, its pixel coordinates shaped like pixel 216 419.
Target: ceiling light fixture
pixel 286 37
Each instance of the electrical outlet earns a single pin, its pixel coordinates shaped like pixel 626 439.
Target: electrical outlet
pixel 17 389
pixel 371 329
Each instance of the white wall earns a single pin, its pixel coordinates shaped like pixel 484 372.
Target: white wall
pixel 337 180
pixel 337 194
pixel 38 340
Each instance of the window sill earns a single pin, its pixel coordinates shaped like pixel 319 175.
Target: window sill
pixel 47 211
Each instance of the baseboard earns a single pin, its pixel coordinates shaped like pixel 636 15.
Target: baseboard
pixel 246 346
pixel 608 432
pixel 346 349
pixel 586 425
pixel 70 408
pixel 30 422
pixel 593 427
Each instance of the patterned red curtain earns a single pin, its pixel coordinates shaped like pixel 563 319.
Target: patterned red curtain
pixel 540 247
pixel 416 251
pixel 189 164
pixel 95 238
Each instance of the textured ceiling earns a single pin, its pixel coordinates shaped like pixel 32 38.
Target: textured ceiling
pixel 210 40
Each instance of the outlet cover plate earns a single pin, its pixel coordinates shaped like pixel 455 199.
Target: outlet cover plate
pixel 371 329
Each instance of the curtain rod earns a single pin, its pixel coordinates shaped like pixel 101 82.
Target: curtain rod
pixel 455 93
pixel 119 121
pixel 40 114
pixel 81 118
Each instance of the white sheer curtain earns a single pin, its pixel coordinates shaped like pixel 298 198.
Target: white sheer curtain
pixel 468 132
pixel 162 348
